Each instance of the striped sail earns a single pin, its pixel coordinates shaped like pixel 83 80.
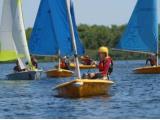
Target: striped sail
pixel 13 43
pixel 7 45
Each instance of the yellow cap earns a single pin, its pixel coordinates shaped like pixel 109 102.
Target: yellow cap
pixel 103 50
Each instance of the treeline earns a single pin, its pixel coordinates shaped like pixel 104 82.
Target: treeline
pixel 95 36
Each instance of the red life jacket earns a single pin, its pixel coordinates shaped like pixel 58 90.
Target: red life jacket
pixel 63 64
pixel 104 66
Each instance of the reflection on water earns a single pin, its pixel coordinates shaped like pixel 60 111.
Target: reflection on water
pixel 132 96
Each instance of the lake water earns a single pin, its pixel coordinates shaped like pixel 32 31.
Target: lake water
pixel 132 96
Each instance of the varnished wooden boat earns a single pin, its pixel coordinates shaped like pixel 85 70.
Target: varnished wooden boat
pixel 81 66
pixel 83 88
pixel 59 73
pixel 148 70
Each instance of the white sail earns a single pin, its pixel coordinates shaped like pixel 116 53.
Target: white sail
pixel 12 33
pixel 7 45
pixel 13 44
pixel 18 29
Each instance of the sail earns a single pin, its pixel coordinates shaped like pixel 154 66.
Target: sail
pixel 141 33
pixel 51 31
pixel 8 49
pixel 13 43
pixel 43 40
pixel 18 30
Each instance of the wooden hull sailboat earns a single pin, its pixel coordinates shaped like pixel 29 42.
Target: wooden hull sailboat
pixel 26 75
pixel 141 34
pixel 83 88
pixel 59 73
pixel 50 39
pixel 148 70
pixel 81 66
pixel 60 34
pixel 80 87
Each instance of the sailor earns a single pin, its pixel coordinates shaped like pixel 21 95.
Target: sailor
pixel 65 63
pixel 34 62
pixel 17 68
pixel 152 59
pixel 105 65
pixel 86 60
pixel 33 65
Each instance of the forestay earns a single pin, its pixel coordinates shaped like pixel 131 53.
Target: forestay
pixel 51 31
pixel 141 33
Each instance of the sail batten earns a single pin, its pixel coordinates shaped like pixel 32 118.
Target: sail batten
pixel 141 33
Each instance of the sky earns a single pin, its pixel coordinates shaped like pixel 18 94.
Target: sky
pixel 100 12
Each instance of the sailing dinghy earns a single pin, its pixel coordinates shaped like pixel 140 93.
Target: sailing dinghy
pixel 13 43
pixel 141 34
pixel 80 87
pixel 49 37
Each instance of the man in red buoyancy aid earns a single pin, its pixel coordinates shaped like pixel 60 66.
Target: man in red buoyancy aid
pixel 65 64
pixel 105 65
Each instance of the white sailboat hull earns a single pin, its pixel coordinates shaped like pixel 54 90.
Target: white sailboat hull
pixel 26 75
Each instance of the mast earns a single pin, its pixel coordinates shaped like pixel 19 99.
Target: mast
pixel 157 54
pixel 68 2
pixel 59 60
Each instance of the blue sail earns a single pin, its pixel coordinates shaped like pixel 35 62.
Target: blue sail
pixel 43 38
pixel 141 33
pixel 51 31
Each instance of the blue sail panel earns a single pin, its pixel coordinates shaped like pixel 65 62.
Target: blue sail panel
pixel 61 27
pixel 141 33
pixel 80 47
pixel 51 31
pixel 43 39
